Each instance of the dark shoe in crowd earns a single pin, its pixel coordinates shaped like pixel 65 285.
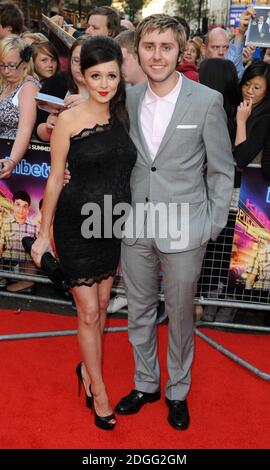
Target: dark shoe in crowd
pixel 133 402
pixel 23 287
pixel 3 282
pixel 178 416
pixel 209 313
pixel 226 314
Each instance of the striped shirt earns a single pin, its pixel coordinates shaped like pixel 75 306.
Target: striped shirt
pixel 11 235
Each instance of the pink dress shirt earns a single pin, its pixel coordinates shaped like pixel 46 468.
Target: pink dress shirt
pixel 156 113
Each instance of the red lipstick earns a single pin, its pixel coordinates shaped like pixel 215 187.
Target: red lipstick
pixel 103 93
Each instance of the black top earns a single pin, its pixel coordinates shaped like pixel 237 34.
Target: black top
pixel 100 162
pixel 258 129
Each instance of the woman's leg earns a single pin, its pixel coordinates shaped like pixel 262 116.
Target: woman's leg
pixel 104 293
pixel 90 341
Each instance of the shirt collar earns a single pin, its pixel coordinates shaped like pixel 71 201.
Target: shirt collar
pixel 171 97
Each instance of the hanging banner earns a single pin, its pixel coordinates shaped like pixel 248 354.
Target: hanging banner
pixel 21 199
pixel 250 259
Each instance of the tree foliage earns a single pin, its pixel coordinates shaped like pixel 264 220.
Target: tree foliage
pixel 189 9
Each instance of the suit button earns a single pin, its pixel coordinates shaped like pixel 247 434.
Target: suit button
pixel 146 199
pixel 153 168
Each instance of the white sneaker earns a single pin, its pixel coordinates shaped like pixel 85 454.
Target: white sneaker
pixel 117 303
pixel 3 282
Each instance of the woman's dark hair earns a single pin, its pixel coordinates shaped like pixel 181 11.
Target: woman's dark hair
pixel 258 69
pixel 221 75
pixel 99 50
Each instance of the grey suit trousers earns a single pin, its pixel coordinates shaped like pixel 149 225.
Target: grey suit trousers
pixel 140 265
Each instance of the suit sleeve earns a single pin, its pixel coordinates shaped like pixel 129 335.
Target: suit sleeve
pixel 220 165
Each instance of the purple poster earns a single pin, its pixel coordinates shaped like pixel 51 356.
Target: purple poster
pixel 21 200
pixel 250 260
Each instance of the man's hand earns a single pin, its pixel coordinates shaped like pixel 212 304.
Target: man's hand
pixel 74 100
pixel 244 20
pixel 67 176
pixel 248 53
pixel 58 19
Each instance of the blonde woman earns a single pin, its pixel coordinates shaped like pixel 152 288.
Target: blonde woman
pixel 30 37
pixel 18 87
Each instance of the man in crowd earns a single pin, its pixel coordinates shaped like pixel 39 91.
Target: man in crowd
pixel 131 69
pixel 102 21
pixel 11 20
pixel 217 44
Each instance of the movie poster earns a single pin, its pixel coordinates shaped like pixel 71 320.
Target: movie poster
pixel 21 199
pixel 250 259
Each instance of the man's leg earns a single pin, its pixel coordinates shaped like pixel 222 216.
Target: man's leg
pixel 140 266
pixel 181 273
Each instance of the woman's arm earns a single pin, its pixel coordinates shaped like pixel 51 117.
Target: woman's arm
pixel 242 115
pixel 60 142
pixel 27 116
pixel 248 146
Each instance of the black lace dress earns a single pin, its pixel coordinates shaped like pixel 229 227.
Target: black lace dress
pixel 100 163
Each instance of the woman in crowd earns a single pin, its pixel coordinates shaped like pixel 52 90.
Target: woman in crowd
pixel 266 54
pixel 221 75
pixel 29 37
pixel 93 138
pixel 18 88
pixel 46 60
pixel 253 117
pixel 68 85
pixel 190 59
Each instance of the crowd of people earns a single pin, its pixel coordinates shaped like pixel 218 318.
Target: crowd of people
pixel 151 116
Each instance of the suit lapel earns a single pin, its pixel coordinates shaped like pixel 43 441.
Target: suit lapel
pixel 181 107
pixel 135 109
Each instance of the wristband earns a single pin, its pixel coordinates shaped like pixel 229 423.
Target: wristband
pixel 11 159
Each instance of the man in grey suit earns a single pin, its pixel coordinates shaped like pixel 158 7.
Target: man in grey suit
pixel 175 123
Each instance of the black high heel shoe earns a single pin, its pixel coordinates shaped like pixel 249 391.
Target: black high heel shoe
pixel 88 399
pixel 103 422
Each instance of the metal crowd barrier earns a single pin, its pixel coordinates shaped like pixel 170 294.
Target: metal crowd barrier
pixel 214 288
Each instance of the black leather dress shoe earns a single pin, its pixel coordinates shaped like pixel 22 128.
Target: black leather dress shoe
pixel 178 416
pixel 133 402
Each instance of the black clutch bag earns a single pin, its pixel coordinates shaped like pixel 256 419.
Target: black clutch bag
pixel 49 266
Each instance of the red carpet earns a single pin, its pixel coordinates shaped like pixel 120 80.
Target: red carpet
pixel 40 409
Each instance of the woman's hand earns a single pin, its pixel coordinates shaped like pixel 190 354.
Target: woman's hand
pixel 244 111
pixel 6 168
pixel 39 247
pixel 74 100
pixel 51 121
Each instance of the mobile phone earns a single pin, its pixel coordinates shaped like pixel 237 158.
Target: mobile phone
pixel 1 166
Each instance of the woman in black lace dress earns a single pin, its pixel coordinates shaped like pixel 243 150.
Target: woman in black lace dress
pixel 93 138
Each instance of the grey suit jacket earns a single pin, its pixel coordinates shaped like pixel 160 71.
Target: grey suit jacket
pixel 197 128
